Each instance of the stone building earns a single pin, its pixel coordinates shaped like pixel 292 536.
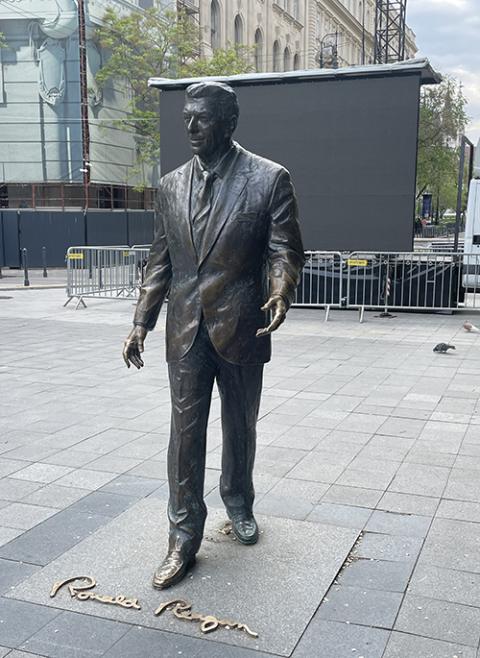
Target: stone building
pixel 293 34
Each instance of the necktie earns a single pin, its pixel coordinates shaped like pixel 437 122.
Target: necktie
pixel 202 205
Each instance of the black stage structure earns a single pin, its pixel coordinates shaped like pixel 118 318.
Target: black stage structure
pixel 348 136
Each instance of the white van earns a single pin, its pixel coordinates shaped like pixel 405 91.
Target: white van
pixel 471 277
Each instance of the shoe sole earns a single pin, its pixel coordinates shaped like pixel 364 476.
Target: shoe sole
pixel 175 579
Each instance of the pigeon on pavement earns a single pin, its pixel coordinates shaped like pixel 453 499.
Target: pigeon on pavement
pixel 471 328
pixel 443 348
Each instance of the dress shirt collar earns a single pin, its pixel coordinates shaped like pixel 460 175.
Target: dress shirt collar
pixel 220 168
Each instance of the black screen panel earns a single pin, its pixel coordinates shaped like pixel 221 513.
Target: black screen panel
pixel 350 145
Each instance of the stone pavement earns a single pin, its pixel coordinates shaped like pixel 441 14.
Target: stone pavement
pixel 366 436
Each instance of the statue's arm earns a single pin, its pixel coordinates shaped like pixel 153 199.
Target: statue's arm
pixel 285 251
pixel 154 289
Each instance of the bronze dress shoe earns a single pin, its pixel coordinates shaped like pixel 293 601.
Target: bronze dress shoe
pixel 245 528
pixel 172 570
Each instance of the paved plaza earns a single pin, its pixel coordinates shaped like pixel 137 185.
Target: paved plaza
pixel 367 478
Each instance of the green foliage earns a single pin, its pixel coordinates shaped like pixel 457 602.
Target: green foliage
pixel 442 120
pixel 140 45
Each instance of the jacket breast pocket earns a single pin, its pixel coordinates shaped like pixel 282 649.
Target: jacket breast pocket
pixel 245 216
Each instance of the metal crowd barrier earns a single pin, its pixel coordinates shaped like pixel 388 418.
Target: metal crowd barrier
pixel 321 282
pixel 417 281
pixel 111 272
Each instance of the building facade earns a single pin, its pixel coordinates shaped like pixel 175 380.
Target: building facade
pixel 41 159
pixel 286 35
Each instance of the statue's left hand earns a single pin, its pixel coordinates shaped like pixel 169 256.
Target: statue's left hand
pixel 277 305
pixel 133 347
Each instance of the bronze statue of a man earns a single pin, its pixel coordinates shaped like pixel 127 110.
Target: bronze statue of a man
pixel 227 251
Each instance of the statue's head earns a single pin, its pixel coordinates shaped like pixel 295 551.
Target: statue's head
pixel 210 114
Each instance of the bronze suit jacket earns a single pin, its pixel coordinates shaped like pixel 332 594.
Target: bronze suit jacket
pixel 251 248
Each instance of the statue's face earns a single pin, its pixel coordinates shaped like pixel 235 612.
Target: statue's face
pixel 206 130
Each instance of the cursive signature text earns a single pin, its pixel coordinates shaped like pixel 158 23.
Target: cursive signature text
pixel 208 623
pixel 83 593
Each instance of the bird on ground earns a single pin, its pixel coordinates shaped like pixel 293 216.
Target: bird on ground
pixel 471 328
pixel 443 348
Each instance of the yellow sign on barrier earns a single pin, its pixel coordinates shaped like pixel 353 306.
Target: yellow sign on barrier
pixel 353 262
pixel 126 253
pixel 75 256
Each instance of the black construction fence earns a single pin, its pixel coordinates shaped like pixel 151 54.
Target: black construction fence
pixel 58 230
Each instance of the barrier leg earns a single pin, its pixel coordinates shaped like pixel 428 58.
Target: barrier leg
pixel 327 312
pixel 361 312
pixel 67 302
pixel 80 301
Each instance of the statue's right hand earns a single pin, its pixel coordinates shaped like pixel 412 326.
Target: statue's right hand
pixel 133 347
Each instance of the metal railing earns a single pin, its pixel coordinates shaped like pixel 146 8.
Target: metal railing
pixel 111 272
pixel 416 281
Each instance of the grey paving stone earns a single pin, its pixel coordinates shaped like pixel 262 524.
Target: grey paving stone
pixel 7 534
pixel 357 605
pixel 53 537
pixel 453 544
pixel 446 584
pixel 341 640
pixel 420 479
pixel 314 467
pixel 408 504
pixel 53 495
pixel 352 496
pixel 23 654
pixel 4 651
pixel 463 484
pixel 383 575
pixel 402 645
pixel 460 510
pixel 83 478
pixel 386 547
pixel 346 516
pixel 71 457
pixel 143 642
pixel 113 464
pixel 76 636
pixel 22 516
pixel 12 573
pixel 405 427
pixel 103 502
pixel 13 490
pixel 364 478
pixel 439 620
pixel 20 620
pixel 130 485
pixel 390 523
pixel 44 473
pixel 9 466
pixel 216 584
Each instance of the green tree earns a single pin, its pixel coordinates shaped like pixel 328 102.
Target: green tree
pixel 148 44
pixel 442 120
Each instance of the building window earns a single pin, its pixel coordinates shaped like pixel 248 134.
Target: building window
pixel 238 30
pixel 258 50
pixel 215 24
pixel 276 56
pixel 296 62
pixel 287 60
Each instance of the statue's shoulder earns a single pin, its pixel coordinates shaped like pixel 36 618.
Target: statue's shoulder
pixel 261 164
pixel 171 178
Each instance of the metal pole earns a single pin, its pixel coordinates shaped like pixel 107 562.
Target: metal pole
pixel 44 261
pixel 461 173
pixel 82 45
pixel 26 282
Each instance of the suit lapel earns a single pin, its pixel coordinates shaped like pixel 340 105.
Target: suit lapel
pixel 231 188
pixel 184 203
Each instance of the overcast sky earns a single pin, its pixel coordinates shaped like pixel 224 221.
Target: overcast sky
pixel 448 33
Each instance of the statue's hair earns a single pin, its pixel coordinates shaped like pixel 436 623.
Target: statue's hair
pixel 223 95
